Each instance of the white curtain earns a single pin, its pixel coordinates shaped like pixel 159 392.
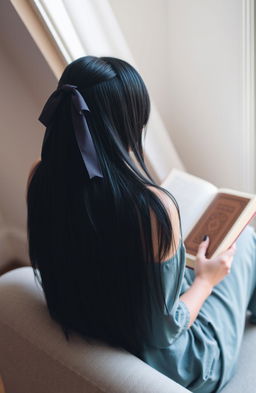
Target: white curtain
pixel 82 27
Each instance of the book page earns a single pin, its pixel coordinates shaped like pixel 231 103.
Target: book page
pixel 216 222
pixel 192 194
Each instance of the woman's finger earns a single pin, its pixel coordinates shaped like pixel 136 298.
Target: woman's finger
pixel 202 248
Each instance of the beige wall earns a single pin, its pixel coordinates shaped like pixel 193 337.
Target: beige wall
pixel 191 53
pixel 205 87
pixel 26 81
pixel 144 24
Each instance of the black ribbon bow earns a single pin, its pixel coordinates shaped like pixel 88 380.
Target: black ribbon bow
pixel 82 132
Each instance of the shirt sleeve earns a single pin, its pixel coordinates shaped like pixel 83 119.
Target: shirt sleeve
pixel 172 319
pixel 177 321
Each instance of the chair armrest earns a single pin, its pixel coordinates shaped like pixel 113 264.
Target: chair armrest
pixel 36 358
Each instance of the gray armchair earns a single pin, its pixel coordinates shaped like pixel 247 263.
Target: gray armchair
pixel 35 357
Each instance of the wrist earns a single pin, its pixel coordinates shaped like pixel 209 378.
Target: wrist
pixel 204 284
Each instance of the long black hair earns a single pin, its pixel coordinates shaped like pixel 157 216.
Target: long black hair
pixel 90 240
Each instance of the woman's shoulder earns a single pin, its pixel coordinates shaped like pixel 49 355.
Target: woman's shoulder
pixel 173 214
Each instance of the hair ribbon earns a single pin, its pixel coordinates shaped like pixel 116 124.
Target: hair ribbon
pixel 82 132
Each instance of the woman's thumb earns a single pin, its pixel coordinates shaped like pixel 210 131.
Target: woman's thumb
pixel 203 247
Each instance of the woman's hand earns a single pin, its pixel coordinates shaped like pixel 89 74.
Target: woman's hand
pixel 213 270
pixel 208 273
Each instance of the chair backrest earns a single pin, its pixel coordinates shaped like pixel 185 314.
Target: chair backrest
pixel 36 358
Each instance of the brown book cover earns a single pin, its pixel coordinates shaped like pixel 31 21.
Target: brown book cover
pixel 216 222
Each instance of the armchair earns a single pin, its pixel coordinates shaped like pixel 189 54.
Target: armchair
pixel 36 358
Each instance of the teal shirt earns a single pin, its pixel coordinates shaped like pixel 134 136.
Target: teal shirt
pixel 202 357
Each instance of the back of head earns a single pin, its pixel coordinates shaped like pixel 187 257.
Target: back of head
pixel 90 239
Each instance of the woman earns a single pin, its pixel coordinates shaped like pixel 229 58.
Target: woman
pixel 106 244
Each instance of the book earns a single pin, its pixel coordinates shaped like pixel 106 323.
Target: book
pixel 221 213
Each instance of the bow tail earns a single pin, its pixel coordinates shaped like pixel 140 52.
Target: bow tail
pixel 86 145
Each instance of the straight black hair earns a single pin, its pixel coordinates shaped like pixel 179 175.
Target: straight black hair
pixel 90 240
